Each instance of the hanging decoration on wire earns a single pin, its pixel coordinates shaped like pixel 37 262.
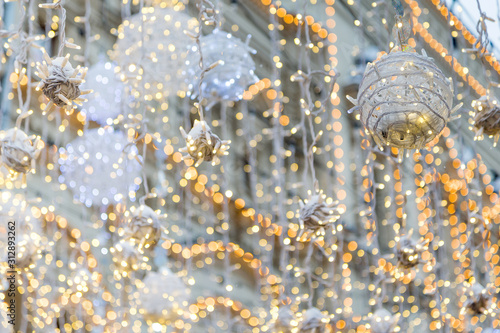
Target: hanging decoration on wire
pixel 405 101
pixel 101 167
pixel 151 50
pixel 107 100
pixel 201 143
pixel 235 72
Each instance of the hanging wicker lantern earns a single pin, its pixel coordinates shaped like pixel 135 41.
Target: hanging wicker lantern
pixel 143 227
pixel 486 118
pixel 404 99
pixel 203 145
pixel 18 151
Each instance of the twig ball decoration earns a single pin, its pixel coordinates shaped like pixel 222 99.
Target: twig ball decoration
pixel 316 214
pixel 285 321
pixel 159 63
pixel 107 100
pixel 163 296
pixel 143 226
pixel 101 167
pixel 313 321
pixel 383 321
pixel 60 82
pixel 18 151
pixel 203 145
pixel 405 101
pixel 231 77
pixel 126 257
pixel 409 252
pixel 478 299
pixel 486 118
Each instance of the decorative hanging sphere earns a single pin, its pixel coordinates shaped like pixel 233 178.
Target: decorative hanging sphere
pixel 143 227
pixel 203 145
pixel 478 299
pixel 157 63
pixel 101 167
pixel 18 151
pixel 127 258
pixel 409 252
pixel 231 77
pixel 383 321
pixel 405 101
pixel 107 100
pixel 285 320
pixel 486 118
pixel 316 214
pixel 163 296
pixel 60 82
pixel 313 321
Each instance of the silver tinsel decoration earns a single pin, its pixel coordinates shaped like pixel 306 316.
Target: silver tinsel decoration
pixel 313 321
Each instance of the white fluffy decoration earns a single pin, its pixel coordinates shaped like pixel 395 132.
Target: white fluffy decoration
pixel 158 64
pixel 101 167
pixel 234 73
pixel 163 296
pixel 107 100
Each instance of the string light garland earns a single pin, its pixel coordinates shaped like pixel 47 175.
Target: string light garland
pixel 287 131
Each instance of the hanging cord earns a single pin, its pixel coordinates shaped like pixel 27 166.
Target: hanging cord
pixel 209 15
